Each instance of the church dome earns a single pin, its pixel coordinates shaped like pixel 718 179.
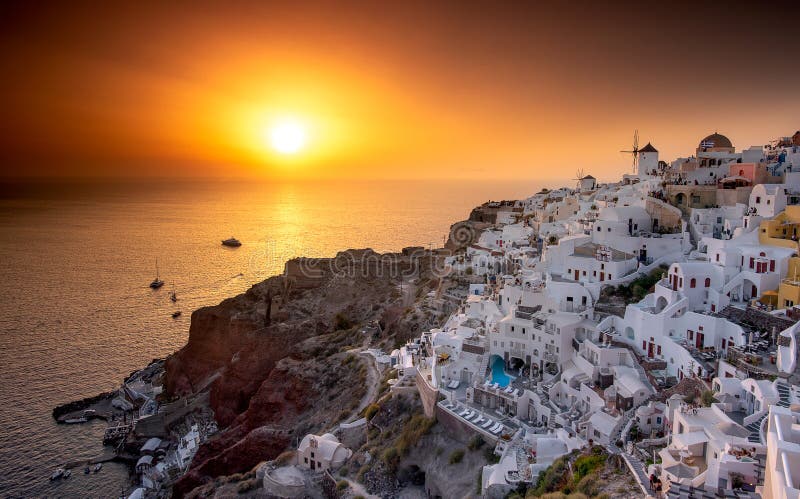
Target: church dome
pixel 715 140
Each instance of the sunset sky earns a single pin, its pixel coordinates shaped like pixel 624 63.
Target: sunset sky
pixel 407 91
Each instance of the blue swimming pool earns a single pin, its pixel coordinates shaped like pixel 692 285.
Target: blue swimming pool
pixel 499 375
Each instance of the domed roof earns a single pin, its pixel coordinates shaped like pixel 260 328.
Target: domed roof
pixel 715 140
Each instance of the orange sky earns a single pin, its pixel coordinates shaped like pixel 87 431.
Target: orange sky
pixel 411 92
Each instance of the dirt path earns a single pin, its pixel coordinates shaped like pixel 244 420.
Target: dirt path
pixel 356 489
pixel 373 381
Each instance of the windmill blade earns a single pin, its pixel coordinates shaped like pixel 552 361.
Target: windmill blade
pixel 636 140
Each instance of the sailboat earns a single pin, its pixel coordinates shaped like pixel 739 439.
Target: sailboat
pixel 172 294
pixel 157 283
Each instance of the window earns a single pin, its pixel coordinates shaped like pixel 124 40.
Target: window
pixel 717 256
pixel 599 229
pixel 658 350
pixel 708 282
pixel 693 283
pixel 758 199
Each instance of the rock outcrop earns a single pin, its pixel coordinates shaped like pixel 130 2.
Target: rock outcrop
pixel 274 378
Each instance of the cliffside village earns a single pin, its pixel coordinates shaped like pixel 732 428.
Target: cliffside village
pixel 537 362
pixel 595 315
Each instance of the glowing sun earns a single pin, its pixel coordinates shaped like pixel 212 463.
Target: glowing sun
pixel 287 137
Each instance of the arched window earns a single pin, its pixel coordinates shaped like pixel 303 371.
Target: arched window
pixel 693 283
pixel 708 282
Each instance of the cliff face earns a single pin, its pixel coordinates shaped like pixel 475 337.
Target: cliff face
pixel 273 379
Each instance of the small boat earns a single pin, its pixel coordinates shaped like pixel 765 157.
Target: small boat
pixel 176 314
pixel 86 470
pixel 57 474
pixel 75 420
pixel 232 242
pixel 157 283
pixel 67 473
pixel 98 467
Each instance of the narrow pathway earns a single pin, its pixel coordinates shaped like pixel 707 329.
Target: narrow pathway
pixel 373 381
pixel 356 489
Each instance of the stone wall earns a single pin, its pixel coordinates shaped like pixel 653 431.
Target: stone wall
pixel 666 214
pixel 428 394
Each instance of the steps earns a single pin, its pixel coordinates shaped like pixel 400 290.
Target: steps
pixel 484 365
pixel 755 430
pixel 638 466
pixel 784 394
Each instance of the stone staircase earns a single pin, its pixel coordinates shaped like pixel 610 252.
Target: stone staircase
pixel 755 430
pixel 784 394
pixel 483 370
pixel 638 467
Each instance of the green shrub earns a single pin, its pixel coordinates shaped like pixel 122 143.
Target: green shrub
pixel 588 485
pixel 342 485
pixel 247 486
pixel 475 443
pixel 707 398
pixel 456 456
pixel 390 457
pixel 340 321
pixel 413 431
pixel 585 465
pixel 371 411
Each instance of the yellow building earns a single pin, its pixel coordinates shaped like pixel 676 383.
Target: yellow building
pixel 789 290
pixel 784 231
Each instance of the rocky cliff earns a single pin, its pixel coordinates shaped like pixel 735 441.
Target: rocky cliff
pixel 275 358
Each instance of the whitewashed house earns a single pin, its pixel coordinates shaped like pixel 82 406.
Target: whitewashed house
pixel 322 453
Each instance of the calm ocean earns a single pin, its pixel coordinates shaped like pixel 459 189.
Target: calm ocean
pixel 77 316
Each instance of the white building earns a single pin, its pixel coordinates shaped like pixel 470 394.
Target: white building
pixel 710 448
pixel 782 471
pixel 322 453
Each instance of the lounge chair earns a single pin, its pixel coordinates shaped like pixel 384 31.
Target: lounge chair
pixel 487 424
pixel 468 415
pixel 455 384
pixel 498 429
pixel 478 421
pixel 494 428
pixel 463 413
pixel 477 418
